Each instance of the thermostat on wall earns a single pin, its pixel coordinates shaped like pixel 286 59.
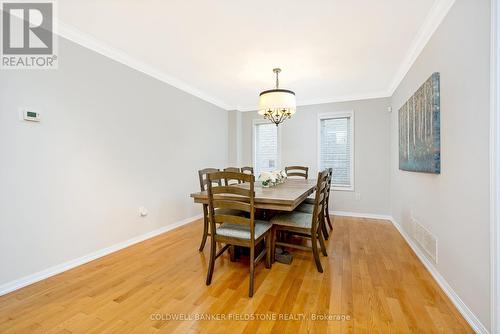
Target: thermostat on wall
pixel 29 115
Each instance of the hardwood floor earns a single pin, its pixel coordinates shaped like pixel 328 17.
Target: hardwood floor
pixel 371 276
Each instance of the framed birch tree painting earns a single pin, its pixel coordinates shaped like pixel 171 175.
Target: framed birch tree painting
pixel 419 129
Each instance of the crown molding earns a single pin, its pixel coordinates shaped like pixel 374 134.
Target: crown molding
pixel 71 33
pixel 432 21
pixel 344 98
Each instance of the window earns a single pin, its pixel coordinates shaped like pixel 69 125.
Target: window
pixel 336 147
pixel 265 147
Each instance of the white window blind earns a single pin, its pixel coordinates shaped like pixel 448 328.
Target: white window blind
pixel 265 147
pixel 336 148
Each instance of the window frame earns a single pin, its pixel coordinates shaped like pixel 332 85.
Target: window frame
pixel 339 114
pixel 256 122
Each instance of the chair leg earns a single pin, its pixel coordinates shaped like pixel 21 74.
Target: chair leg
pixel 273 243
pixel 232 253
pixel 322 244
pixel 282 236
pixel 252 267
pixel 205 234
pixel 212 261
pixel 327 215
pixel 323 228
pixel 268 249
pixel 314 242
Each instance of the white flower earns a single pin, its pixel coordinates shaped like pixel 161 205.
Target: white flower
pixel 272 178
pixel 264 176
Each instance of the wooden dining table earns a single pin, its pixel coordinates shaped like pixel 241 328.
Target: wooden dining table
pixel 284 197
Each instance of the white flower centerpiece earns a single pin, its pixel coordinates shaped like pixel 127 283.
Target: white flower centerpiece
pixel 270 179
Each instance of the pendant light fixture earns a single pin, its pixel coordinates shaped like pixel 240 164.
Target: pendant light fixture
pixel 277 104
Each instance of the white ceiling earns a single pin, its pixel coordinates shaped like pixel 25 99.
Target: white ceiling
pixel 224 51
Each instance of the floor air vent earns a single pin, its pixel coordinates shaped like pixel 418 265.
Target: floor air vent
pixel 424 238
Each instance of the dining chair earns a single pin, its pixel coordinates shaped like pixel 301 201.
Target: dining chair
pixel 299 171
pixel 308 205
pixel 236 230
pixel 247 170
pixel 304 224
pixel 228 182
pixel 202 175
pixel 203 178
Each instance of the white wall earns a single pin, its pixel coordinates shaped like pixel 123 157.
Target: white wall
pixel 299 146
pixel 111 139
pixel 454 205
pixel 234 138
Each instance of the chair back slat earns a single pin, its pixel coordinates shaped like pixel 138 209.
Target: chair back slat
pixel 231 219
pixel 230 204
pixel 231 190
pixel 237 176
pixel 229 181
pixel 299 171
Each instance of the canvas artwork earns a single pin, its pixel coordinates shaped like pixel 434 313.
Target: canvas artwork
pixel 419 129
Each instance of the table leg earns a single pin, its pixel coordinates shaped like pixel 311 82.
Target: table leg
pixel 232 253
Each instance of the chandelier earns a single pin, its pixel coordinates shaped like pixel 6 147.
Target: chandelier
pixel 277 104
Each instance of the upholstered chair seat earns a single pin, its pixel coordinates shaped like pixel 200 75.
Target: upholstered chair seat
pixel 293 219
pixel 229 212
pixel 243 231
pixel 306 208
pixel 309 200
